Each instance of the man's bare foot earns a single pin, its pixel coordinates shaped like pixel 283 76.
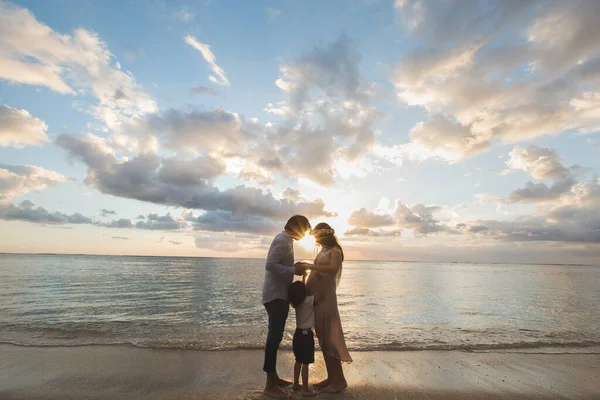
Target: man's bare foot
pixel 283 382
pixel 308 393
pixel 275 392
pixel 322 384
pixel 296 387
pixel 335 387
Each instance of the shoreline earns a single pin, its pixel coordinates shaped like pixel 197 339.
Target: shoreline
pixel 129 372
pixel 515 348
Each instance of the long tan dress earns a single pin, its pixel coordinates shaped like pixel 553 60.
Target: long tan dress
pixel 328 325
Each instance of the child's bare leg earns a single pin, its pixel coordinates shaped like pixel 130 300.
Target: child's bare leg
pixel 297 368
pixel 305 390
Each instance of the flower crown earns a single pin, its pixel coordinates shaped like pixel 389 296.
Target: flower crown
pixel 323 232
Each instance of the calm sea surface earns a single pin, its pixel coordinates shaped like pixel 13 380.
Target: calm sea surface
pixel 210 303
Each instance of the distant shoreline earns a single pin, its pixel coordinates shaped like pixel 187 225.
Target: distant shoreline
pixel 257 258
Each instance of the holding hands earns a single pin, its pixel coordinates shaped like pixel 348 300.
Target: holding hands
pixel 300 267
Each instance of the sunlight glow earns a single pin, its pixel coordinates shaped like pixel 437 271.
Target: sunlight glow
pixel 307 242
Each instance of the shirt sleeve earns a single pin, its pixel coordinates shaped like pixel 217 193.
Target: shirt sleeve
pixel 278 252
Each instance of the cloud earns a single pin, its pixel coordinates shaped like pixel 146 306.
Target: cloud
pixel 373 232
pixel 175 242
pixel 151 221
pixel 222 221
pixel 273 14
pixel 328 115
pixel 19 180
pixel 26 211
pixel 291 194
pixel 366 219
pixel 161 222
pixel 117 223
pixel 196 131
pixel 330 126
pixel 202 90
pixel 498 71
pixel 104 212
pixel 120 238
pixel 34 54
pixel 541 163
pixel 19 129
pixel 218 76
pixel 151 178
pixel 420 219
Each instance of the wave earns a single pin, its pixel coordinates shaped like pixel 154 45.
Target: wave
pixel 395 346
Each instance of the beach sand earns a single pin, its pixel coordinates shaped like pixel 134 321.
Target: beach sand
pixel 125 372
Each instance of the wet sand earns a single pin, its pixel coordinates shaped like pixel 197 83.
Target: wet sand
pixel 124 372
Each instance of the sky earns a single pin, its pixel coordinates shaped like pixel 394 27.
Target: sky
pixel 419 130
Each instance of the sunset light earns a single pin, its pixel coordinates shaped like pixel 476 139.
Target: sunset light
pixel 168 166
pixel 307 242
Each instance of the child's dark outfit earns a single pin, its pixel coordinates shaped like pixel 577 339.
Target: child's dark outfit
pixel 303 343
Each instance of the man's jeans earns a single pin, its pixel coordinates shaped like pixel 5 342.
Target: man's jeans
pixel 278 310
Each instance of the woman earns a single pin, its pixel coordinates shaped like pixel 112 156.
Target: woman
pixel 322 282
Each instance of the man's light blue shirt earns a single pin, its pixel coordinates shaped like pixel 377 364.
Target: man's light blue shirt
pixel 279 268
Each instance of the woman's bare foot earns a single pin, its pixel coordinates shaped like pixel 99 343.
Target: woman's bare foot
pixel 322 384
pixel 276 393
pixel 308 393
pixel 335 387
pixel 283 382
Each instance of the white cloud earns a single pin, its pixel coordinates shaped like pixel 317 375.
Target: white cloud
pixel 19 129
pixel 541 163
pixel 366 219
pixel 34 54
pixel 204 49
pixel 484 79
pixel 19 180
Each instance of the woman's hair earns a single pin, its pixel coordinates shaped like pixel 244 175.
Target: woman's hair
pixel 328 240
pixel 298 225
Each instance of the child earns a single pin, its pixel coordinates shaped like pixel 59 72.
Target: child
pixel 304 340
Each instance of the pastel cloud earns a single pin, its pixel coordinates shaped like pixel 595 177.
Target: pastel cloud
pixel 542 81
pixel 27 211
pixel 19 129
pixel 32 53
pixel 151 178
pixel 218 76
pixel 19 180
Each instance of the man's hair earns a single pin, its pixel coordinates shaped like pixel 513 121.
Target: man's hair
pixel 297 292
pixel 298 225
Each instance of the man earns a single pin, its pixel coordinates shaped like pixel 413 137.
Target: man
pixel 279 274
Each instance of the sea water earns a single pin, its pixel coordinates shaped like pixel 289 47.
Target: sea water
pixel 215 303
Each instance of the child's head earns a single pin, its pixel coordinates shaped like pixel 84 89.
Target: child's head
pixel 297 293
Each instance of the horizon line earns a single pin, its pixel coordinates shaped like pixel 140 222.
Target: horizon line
pixel 262 258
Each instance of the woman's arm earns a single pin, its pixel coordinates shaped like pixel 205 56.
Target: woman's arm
pixel 334 263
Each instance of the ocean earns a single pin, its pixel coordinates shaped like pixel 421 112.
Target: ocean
pixel 215 304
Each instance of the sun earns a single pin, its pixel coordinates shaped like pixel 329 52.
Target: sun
pixel 307 242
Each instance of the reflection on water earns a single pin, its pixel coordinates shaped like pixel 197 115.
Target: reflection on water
pixel 215 303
